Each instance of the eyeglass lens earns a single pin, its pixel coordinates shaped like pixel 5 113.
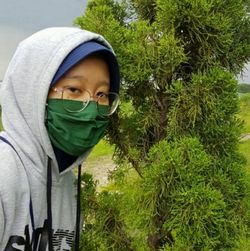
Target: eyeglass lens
pixel 102 99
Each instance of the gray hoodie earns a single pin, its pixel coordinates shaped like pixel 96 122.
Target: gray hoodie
pixel 23 174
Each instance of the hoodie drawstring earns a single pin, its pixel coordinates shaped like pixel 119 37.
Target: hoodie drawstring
pixel 49 210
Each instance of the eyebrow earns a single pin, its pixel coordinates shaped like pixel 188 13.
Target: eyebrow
pixel 74 77
pixel 80 77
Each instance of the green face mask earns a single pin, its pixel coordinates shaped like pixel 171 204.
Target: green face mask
pixel 74 132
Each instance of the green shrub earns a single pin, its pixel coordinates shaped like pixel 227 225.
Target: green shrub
pixel 183 202
pixel 103 224
pixel 179 182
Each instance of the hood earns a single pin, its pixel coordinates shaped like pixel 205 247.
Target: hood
pixel 26 85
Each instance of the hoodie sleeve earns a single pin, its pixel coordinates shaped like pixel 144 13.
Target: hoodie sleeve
pixel 14 195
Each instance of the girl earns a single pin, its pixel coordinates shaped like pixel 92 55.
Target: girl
pixel 59 91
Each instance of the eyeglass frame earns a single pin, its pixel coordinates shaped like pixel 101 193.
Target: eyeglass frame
pixel 91 98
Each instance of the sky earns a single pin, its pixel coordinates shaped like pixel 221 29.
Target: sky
pixel 21 18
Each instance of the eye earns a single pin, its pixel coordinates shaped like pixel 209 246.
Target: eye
pixel 102 94
pixel 73 90
pixel 103 98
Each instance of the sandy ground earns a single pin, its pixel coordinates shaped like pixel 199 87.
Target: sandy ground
pixel 100 168
pixel 245 137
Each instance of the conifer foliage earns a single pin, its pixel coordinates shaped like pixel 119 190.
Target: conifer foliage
pixel 179 182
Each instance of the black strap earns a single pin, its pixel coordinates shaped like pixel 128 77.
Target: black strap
pixel 78 210
pixel 49 209
pixel 30 205
pixel 32 214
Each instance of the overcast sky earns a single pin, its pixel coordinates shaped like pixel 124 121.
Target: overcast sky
pixel 21 18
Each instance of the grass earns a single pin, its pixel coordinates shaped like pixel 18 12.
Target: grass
pixel 244 115
pixel 101 149
pixel 244 147
pixel 244 241
pixel 245 112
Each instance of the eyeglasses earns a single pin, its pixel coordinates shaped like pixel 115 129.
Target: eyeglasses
pixel 106 103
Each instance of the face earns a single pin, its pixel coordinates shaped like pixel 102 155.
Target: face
pixel 90 76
